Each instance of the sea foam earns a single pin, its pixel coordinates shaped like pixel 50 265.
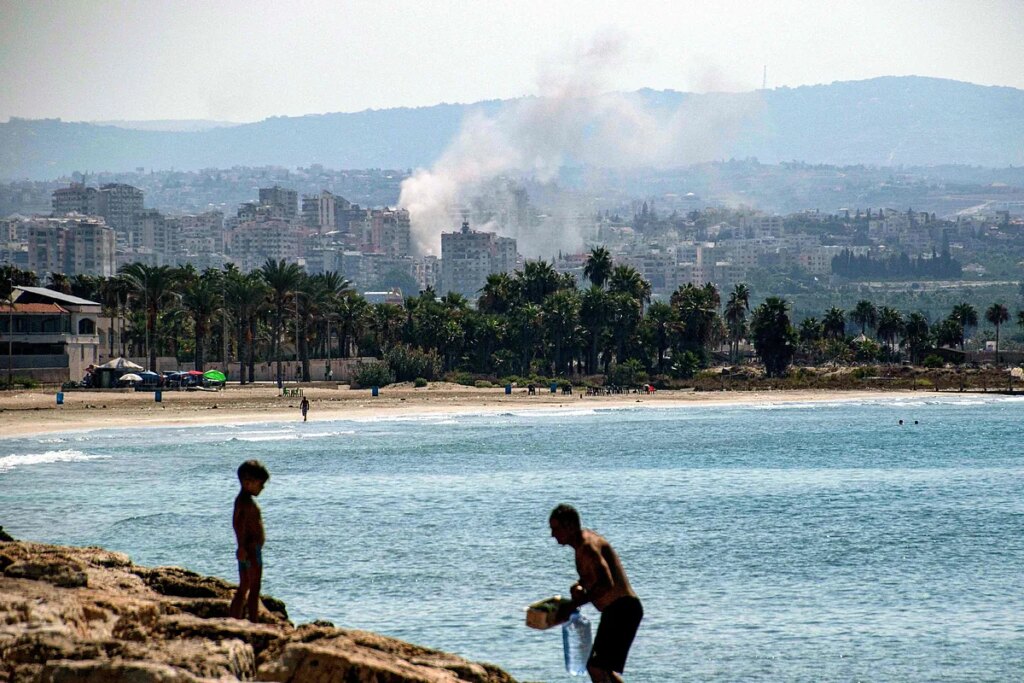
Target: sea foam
pixel 11 461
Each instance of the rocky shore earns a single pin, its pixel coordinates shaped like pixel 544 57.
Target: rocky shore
pixel 87 615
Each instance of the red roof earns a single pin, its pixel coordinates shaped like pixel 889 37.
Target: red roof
pixel 32 308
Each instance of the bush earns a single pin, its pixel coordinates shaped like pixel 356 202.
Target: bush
pixel 19 381
pixel 686 365
pixel 374 375
pixel 419 382
pixel 482 384
pixel 464 378
pixel 933 361
pixel 628 374
pixel 407 363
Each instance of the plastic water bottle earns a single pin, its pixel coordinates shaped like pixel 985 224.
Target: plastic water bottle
pixel 576 642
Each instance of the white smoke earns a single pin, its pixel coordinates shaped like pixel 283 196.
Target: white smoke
pixel 572 120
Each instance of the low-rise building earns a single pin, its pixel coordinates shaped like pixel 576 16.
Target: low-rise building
pixel 54 337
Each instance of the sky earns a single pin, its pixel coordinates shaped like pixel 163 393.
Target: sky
pixel 246 60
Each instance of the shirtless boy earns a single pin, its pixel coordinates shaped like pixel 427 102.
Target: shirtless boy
pixel 249 533
pixel 602 582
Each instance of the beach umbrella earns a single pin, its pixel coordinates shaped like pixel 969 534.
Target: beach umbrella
pixel 147 374
pixel 215 375
pixel 130 377
pixel 194 373
pixel 120 363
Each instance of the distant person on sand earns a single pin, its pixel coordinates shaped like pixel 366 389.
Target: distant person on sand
pixel 304 407
pixel 602 582
pixel 248 523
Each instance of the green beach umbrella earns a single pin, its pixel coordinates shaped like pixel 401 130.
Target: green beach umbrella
pixel 215 375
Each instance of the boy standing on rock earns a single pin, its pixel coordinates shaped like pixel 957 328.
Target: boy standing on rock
pixel 603 583
pixel 248 523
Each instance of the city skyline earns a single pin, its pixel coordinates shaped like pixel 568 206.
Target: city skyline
pixel 102 60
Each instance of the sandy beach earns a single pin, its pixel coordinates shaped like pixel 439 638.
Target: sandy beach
pixel 31 412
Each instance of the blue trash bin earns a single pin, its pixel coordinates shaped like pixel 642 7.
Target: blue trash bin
pixel 374 391
pixel 159 396
pixel 508 388
pixel 60 398
pixel 554 387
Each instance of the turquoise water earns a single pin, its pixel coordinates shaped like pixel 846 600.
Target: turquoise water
pixel 785 542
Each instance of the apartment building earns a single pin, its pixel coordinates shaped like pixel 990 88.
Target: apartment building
pixel 71 245
pixel 157 235
pixel 284 203
pixel 120 206
pixel 390 233
pixel 468 257
pixel 251 243
pixel 76 199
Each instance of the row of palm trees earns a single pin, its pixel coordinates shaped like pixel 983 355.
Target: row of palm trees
pixel 912 332
pixel 533 321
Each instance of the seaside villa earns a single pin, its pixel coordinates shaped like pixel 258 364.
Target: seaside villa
pixel 51 337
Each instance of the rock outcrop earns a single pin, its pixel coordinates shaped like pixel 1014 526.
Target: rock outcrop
pixel 87 615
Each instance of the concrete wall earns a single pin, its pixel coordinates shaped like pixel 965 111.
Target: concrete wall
pixel 342 369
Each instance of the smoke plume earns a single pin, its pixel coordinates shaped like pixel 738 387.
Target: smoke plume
pixel 572 120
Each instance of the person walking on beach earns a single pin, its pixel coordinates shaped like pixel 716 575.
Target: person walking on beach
pixel 304 407
pixel 602 582
pixel 249 533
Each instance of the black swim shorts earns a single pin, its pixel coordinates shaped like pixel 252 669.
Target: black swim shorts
pixel 619 622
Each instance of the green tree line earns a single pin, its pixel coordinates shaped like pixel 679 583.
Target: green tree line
pixel 532 322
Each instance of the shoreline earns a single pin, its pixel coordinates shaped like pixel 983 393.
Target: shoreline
pixel 31 413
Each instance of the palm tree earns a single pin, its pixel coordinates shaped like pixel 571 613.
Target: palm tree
pixel 834 323
pixel 560 315
pixel 663 325
pixel 697 308
pixel 85 286
pixel 774 337
pixel 203 299
pixel 352 311
pixel 736 309
pixel 497 294
pixel 598 267
pixel 966 316
pixel 997 314
pixel 627 280
pixel 525 323
pixel 245 295
pixel 386 323
pixel 811 331
pixel 864 314
pixel 594 309
pixel 949 333
pixel 916 336
pixel 537 280
pixel 626 314
pixel 890 326
pixel 156 286
pixel 58 282
pixel 113 294
pixel 283 278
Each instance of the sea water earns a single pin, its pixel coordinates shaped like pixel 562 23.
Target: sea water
pixel 806 541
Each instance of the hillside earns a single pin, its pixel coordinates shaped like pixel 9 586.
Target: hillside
pixel 883 121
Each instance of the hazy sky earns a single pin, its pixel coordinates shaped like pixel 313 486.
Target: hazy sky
pixel 246 60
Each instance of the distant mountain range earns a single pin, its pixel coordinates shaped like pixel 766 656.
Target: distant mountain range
pixel 882 121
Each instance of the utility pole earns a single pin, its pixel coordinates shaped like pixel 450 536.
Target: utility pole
pixel 764 78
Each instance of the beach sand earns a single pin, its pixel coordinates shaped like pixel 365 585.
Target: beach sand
pixel 29 412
